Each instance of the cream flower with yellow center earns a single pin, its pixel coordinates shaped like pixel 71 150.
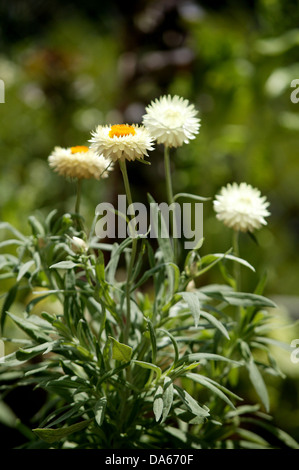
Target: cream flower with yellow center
pixel 122 142
pixel 79 162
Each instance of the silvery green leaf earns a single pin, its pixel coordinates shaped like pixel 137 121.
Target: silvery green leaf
pixel 158 403
pixel 99 410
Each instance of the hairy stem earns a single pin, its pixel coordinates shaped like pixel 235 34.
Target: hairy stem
pixel 123 168
pixel 78 197
pixel 170 198
pixel 237 272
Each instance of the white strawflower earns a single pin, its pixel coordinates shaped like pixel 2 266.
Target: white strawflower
pixel 241 207
pixel 79 162
pixel 171 120
pixel 122 142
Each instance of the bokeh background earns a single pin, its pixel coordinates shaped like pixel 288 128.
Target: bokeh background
pixel 69 66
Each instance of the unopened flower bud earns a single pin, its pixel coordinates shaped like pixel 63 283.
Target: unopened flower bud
pixel 191 286
pixel 78 245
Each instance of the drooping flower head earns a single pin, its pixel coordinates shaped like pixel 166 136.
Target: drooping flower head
pixel 241 207
pixel 79 162
pixel 122 141
pixel 171 120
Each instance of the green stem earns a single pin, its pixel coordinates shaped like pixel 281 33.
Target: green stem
pixel 170 197
pixel 237 272
pixel 123 168
pixel 78 198
pixel 168 175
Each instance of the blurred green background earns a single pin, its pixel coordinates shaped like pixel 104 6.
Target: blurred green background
pixel 69 66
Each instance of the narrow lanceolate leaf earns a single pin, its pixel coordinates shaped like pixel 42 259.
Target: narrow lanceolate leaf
pixel 224 256
pixel 117 250
pixel 167 397
pixel 10 242
pixel 244 299
pixel 211 319
pixel 100 267
pixel 158 403
pixel 191 404
pixel 174 343
pixel 120 351
pixel 191 298
pixel 211 385
pixel 258 382
pixel 191 196
pixel 253 438
pixel 54 435
pixel 24 269
pixel 242 410
pixel 36 226
pixel 173 274
pixel 29 353
pixel 8 226
pixel 153 339
pixel 7 416
pixel 35 331
pixel 205 356
pixel 9 300
pixel 99 410
pixel 277 432
pixel 64 265
pixel 148 365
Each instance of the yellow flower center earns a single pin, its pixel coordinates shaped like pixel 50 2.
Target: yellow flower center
pixel 120 130
pixel 79 148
